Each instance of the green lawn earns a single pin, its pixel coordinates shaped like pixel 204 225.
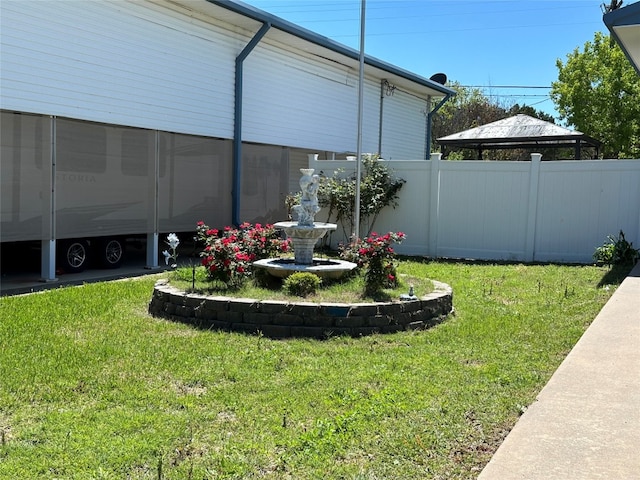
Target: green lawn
pixel 92 387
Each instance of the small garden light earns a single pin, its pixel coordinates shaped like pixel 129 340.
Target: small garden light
pixel 409 296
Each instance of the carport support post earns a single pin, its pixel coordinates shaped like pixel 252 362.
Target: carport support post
pixel 48 245
pixel 48 261
pixel 153 166
pixel 152 250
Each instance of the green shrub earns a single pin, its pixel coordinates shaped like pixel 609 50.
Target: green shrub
pixel 617 251
pixel 302 284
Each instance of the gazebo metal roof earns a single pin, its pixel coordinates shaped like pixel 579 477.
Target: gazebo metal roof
pixel 519 131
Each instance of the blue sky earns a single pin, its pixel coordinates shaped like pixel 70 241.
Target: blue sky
pixel 475 42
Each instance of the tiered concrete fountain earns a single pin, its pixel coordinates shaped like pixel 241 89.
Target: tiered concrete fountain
pixel 304 233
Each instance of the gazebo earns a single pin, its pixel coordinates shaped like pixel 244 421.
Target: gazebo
pixel 520 131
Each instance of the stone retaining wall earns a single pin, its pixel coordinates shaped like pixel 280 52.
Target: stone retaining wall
pixel 280 319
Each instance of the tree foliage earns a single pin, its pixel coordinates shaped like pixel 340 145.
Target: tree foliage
pixel 532 112
pixel 598 93
pixel 469 108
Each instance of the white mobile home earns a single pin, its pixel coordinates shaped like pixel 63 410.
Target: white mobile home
pixel 123 118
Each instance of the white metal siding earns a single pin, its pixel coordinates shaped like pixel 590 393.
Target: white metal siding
pixel 141 64
pixel 295 101
pixel 128 63
pixel 371 116
pixel 403 127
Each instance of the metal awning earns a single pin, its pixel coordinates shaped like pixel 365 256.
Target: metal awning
pixel 624 25
pixel 519 131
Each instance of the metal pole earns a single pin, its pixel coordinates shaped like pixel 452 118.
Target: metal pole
pixel 356 232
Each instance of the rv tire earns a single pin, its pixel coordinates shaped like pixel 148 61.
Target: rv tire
pixel 110 252
pixel 73 255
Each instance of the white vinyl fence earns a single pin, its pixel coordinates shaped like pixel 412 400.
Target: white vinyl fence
pixel 556 211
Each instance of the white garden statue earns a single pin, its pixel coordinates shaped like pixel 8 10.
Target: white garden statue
pixel 305 213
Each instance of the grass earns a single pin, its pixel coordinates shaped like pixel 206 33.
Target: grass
pixel 91 386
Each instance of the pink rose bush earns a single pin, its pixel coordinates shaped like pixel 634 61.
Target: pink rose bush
pixel 229 253
pixel 376 255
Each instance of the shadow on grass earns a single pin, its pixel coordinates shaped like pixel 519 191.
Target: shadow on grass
pixel 615 275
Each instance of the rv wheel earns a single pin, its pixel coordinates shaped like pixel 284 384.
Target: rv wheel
pixel 73 255
pixel 110 252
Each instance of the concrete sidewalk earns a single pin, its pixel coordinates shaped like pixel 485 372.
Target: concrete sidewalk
pixel 585 423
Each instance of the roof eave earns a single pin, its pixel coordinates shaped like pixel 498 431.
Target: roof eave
pixel 627 17
pixel 304 34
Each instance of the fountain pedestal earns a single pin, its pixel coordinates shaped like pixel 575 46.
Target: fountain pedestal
pixel 304 238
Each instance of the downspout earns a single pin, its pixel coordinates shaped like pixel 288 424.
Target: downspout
pixel 237 125
pixel 427 131
pixel 429 116
pixel 381 117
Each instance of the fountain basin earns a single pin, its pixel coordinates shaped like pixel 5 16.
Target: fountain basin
pixel 325 269
pixel 317 230
pixel 304 238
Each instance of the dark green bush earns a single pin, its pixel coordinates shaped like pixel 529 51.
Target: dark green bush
pixel 302 284
pixel 379 188
pixel 617 251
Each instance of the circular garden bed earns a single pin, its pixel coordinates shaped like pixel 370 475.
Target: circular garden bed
pixel 282 319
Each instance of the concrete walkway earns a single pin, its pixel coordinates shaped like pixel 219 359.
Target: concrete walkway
pixel 585 423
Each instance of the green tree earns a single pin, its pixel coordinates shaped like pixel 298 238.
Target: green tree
pixel 532 112
pixel 598 93
pixel 469 108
